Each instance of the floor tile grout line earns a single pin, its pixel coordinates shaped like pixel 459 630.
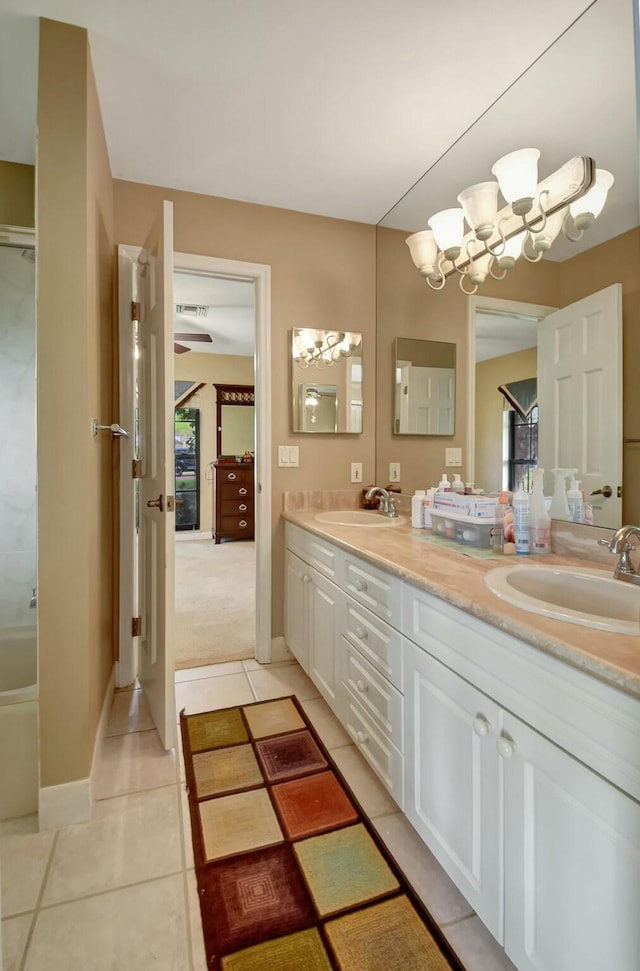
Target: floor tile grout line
pixel 107 890
pixel 457 920
pixel 133 792
pixel 185 875
pixel 37 908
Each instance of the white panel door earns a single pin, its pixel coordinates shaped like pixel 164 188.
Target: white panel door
pixel 296 578
pixel 572 862
pixel 156 513
pixel 580 397
pixel 427 398
pixel 324 603
pixel 452 779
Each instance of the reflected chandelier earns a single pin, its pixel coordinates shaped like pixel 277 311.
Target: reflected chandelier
pixel 323 348
pixel 570 200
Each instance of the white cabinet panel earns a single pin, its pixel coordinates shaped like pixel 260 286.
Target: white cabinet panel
pixel 377 590
pixel 323 606
pixel 318 553
pixel 297 577
pixel 452 779
pixel 572 859
pixel 376 640
pixel 381 701
pixel 384 758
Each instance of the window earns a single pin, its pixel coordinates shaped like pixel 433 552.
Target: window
pixel 187 467
pixel 521 440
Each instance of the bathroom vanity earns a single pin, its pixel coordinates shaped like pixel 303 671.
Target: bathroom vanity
pixel 510 741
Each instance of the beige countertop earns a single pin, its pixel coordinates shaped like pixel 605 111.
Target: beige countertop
pixel 459 580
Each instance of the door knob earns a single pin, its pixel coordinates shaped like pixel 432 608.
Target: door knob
pixel 605 491
pixel 156 503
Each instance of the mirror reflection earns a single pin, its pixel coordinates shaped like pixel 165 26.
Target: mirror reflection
pixel 326 370
pixel 425 387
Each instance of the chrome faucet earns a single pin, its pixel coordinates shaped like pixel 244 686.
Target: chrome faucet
pixel 388 502
pixel 621 547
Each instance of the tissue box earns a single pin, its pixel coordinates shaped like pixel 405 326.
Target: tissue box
pixel 482 506
pixel 469 530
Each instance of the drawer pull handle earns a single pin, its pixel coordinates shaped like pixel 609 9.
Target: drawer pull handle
pixel 360 585
pixel 361 686
pixel 243 524
pixel 481 726
pixel 242 492
pixel 242 507
pixel 506 747
pixel 362 737
pixel 306 578
pixel 362 633
pixel 231 475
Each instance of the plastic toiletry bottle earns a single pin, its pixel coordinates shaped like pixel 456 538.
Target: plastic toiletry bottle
pixel 521 520
pixel 457 485
pixel 497 531
pixel 575 500
pixel 539 519
pixel 444 485
pixel 559 505
pixel 416 509
pixel 427 503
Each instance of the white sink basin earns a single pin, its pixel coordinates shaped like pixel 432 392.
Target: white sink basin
pixel 588 597
pixel 357 517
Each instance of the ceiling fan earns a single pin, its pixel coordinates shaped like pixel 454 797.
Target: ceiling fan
pixel 190 310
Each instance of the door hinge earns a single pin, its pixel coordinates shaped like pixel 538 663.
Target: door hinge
pixel 136 626
pixel 135 310
pixel 136 469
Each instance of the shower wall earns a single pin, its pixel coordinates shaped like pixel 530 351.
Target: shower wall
pixel 17 437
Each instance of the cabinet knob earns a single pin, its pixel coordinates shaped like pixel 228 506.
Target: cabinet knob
pixel 506 747
pixel 362 633
pixel 360 585
pixel 362 737
pixel 481 726
pixel 361 686
pixel 242 507
pixel 231 475
pixel 242 491
pixel 306 578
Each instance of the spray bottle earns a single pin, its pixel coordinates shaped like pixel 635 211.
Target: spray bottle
pixel 575 501
pixel 559 505
pixel 540 521
pixel 521 520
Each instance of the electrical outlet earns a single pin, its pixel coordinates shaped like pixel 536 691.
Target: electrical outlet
pixel 394 471
pixel 453 458
pixel 356 471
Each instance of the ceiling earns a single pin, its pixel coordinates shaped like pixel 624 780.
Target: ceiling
pixel 230 313
pixel 498 334
pixel 332 108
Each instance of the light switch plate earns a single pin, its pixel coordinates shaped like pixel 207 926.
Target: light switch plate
pixel 283 456
pixel 453 458
pixel 294 456
pixel 356 471
pixel 394 471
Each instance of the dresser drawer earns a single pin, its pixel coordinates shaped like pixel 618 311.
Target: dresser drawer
pixel 237 525
pixel 380 643
pixel 375 589
pixel 241 507
pixel 382 755
pixel 236 476
pixel 382 702
pixel 236 490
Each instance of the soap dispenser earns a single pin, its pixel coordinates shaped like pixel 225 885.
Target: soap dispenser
pixel 559 504
pixel 457 485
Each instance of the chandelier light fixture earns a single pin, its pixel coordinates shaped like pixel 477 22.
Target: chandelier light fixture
pixel 568 201
pixel 324 348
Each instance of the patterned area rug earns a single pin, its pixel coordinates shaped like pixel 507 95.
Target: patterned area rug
pixel 291 875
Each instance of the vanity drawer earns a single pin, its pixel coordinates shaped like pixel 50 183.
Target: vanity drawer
pixel 382 702
pixel 380 644
pixel 377 590
pixel 382 755
pixel 323 556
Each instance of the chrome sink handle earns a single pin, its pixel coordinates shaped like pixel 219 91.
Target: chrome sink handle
pixel 388 502
pixel 619 545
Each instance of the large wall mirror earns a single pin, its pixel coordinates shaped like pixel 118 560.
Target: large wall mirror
pixel 235 419
pixel 326 372
pixel 564 111
pixel 425 387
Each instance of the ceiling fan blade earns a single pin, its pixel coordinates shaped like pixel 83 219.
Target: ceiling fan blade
pixel 206 338
pixel 180 349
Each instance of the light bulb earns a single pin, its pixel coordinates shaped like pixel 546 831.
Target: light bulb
pixel 517 174
pixel 448 230
pixel 480 205
pixel 586 210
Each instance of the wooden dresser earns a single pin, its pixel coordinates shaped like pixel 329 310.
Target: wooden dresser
pixel 233 484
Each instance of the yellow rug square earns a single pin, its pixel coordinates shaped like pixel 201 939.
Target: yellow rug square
pixel 302 950
pixel 273 718
pixel 234 824
pixel 225 769
pixel 216 729
pixel 389 935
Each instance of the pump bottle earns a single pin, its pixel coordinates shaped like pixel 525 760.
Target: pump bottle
pixel 417 519
pixel 540 521
pixel 521 520
pixel 575 501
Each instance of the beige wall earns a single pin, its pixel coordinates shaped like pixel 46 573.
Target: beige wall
pixel 322 276
pixel 17 194
pixel 75 514
pixel 490 408
pixel 211 369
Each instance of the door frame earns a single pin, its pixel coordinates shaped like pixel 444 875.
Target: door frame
pixel 260 275
pixel 498 305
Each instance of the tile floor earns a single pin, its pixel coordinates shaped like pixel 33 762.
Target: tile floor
pixel 120 892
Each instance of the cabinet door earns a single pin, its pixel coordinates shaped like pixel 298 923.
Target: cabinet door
pixel 452 779
pixel 572 861
pixel 324 600
pixel 297 579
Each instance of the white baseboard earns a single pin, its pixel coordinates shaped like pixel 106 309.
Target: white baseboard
pixel 279 650
pixel 72 802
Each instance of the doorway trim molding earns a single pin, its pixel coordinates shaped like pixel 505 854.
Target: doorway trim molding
pixel 260 275
pixel 511 308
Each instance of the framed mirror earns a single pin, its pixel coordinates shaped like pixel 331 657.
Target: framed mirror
pixel 326 372
pixel 235 419
pixel 425 387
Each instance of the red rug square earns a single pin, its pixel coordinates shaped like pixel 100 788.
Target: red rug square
pixel 288 756
pixel 312 805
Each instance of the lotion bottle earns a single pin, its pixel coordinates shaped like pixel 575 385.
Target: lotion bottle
pixel 540 521
pixel 575 500
pixel 457 485
pixel 444 485
pixel 521 520
pixel 417 519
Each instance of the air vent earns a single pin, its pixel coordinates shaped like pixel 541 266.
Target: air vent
pixel 192 309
